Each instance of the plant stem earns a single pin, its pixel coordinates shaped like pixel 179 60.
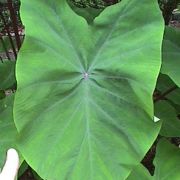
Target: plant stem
pixel 167 10
pixel 9 34
pixel 14 22
pixel 160 97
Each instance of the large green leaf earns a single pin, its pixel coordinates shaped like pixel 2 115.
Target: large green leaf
pixel 171 54
pixel 7 74
pixel 171 123
pixel 84 107
pixel 8 130
pixel 166 164
pixel 167 161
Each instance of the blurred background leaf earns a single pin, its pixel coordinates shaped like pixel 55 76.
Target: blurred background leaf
pixel 167 161
pixel 7 77
pixel 171 54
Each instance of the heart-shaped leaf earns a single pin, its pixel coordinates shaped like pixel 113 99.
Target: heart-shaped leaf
pixel 84 102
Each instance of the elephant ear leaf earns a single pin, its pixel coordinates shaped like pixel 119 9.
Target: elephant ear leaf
pixel 171 54
pixel 167 161
pixel 84 106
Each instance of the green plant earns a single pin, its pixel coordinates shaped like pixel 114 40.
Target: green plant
pixel 85 89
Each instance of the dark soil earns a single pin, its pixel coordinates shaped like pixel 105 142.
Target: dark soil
pixel 28 175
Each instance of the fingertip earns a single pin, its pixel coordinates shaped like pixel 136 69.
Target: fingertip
pixel 11 166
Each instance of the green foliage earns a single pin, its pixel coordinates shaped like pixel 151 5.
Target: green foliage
pixel 22 169
pixel 7 44
pixel 139 172
pixel 167 109
pixel 2 94
pixel 164 85
pixel 85 76
pixel 89 101
pixel 171 123
pixel 167 161
pixel 8 131
pixel 166 164
pixel 7 78
pixel 171 54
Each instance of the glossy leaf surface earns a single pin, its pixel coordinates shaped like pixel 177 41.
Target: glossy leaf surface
pixel 84 101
